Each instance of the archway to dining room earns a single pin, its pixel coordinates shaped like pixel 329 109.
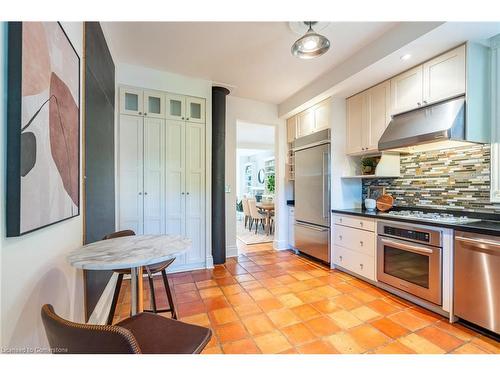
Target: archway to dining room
pixel 255 186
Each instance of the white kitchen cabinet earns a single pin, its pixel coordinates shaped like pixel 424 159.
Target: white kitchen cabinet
pixel 354 244
pixel 407 90
pixel 161 176
pixel 322 116
pixel 444 76
pixel 131 101
pixel 377 115
pixel 305 123
pixel 356 118
pixel 141 175
pixel 367 118
pixel 291 222
pixel 176 107
pixel 291 129
pixel 154 104
pixel 185 160
pixel 130 173
pixel 195 109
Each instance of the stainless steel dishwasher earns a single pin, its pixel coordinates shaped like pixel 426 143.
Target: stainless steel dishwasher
pixel 477 279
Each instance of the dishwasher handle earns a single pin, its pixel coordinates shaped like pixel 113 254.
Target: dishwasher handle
pixel 483 244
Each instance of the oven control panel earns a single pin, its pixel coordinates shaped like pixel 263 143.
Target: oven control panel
pixel 407 233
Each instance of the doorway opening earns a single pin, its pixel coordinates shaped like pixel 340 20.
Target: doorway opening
pixel 255 184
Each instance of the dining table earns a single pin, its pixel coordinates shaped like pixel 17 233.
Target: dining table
pixel 131 252
pixel 268 208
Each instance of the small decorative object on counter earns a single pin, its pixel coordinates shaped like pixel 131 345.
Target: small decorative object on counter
pixel 370 204
pixel 374 192
pixel 385 202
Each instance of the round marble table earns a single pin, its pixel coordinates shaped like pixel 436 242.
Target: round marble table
pixel 132 252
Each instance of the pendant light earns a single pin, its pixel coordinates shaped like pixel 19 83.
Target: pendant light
pixel 310 45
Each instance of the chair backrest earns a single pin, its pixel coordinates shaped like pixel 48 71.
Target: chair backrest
pixel 246 210
pixel 66 337
pixel 122 233
pixel 252 205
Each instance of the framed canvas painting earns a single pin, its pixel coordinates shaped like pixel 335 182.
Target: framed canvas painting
pixel 43 135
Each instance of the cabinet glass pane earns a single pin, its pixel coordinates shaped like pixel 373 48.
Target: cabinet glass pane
pixel 195 110
pixel 175 107
pixel 154 105
pixel 131 102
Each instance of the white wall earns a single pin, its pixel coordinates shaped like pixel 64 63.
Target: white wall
pixel 240 109
pixel 33 267
pixel 258 160
pixel 140 76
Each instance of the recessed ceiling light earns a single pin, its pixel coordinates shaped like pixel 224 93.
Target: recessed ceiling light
pixel 405 57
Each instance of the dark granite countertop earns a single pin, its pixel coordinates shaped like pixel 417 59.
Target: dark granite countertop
pixel 485 226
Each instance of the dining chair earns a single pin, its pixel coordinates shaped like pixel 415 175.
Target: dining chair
pixel 246 210
pixel 255 216
pixel 144 333
pixel 149 270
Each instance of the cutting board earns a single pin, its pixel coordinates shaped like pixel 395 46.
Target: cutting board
pixel 385 202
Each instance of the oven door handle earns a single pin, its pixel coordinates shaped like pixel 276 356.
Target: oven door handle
pixel 416 249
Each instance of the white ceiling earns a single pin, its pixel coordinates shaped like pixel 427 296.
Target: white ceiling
pixel 252 58
pixel 254 135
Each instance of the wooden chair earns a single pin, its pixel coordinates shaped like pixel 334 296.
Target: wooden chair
pixel 143 333
pixel 246 210
pixel 255 216
pixel 150 270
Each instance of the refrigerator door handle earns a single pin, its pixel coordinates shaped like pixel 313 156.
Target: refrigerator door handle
pixel 312 227
pixel 326 182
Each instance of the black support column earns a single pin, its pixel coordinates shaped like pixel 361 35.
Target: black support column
pixel 219 174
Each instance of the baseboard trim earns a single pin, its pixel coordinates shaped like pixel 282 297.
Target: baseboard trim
pixel 231 251
pixel 101 310
pixel 280 245
pixel 209 263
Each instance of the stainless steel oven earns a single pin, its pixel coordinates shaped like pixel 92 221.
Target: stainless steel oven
pixel 409 257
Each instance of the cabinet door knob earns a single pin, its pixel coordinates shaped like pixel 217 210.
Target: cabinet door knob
pixel 182 193
pixel 340 237
pixel 361 265
pixel 361 223
pixel 145 114
pixel 140 113
pixel 361 243
pixel 140 193
pixel 340 258
pixel 146 193
pixel 182 118
pixel 187 118
pixel 419 104
pixel 187 193
pixel 425 102
pixel 340 220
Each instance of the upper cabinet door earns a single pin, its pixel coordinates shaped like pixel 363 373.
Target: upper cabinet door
pixel 378 117
pixel 291 129
pixel 322 116
pixel 195 109
pixel 154 104
pixel 131 101
pixel 444 76
pixel 305 123
pixel 356 117
pixel 406 90
pixel 176 107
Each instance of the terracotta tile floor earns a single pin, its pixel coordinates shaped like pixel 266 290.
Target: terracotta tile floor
pixel 277 302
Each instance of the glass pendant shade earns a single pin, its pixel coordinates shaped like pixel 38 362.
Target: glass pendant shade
pixel 310 45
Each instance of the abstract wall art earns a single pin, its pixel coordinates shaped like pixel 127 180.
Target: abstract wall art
pixel 43 135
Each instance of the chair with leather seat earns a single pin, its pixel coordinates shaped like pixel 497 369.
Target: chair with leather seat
pixel 145 333
pixel 149 270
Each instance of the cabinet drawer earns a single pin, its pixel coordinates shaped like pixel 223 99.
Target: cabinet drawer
pixel 355 239
pixel 361 264
pixel 355 222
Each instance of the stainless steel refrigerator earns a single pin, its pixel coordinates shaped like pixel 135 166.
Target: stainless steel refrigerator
pixel 312 195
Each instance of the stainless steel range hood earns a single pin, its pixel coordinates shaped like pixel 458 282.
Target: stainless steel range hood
pixel 430 125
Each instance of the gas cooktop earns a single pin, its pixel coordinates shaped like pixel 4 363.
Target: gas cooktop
pixel 437 217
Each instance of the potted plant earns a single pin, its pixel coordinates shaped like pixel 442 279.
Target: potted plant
pixel 368 166
pixel 270 184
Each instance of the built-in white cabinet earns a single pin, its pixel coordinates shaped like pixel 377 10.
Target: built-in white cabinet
pixel 367 118
pixel 444 76
pixel 310 121
pixel 161 168
pixel 438 79
pixel 354 244
pixel 188 108
pixel 141 174
pixel 291 129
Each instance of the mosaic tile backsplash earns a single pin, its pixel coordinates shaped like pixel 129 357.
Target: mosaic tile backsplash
pixel 453 179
